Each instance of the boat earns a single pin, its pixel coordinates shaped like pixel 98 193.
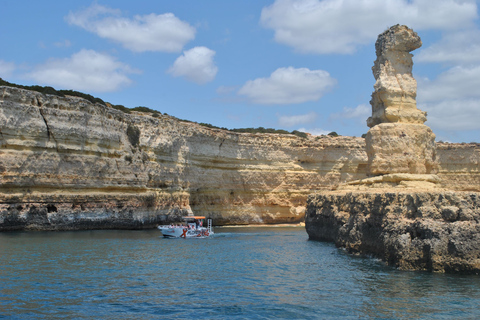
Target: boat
pixel 192 227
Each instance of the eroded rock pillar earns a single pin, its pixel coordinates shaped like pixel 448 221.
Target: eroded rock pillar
pixel 398 141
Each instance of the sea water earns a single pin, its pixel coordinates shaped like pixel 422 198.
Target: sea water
pixel 240 273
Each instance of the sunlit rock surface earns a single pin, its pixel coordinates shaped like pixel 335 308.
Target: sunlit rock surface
pixel 404 212
pixel 394 98
pixel 398 141
pixel 68 164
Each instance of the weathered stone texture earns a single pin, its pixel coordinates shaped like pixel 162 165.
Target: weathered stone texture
pixel 70 154
pixel 74 150
pixel 395 88
pixel 459 166
pixel 401 213
pixel 398 141
pixel 401 148
pixel 432 231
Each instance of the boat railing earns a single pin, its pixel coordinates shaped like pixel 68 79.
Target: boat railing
pixel 209 225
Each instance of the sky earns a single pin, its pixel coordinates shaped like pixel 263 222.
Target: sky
pixel 285 64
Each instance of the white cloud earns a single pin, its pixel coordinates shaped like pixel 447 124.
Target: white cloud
pixel 340 26
pixel 460 47
pixel 315 131
pixel 453 115
pixel 456 83
pixel 152 32
pixel 361 112
pixel 290 121
pixel 86 70
pixel 195 65
pixel 6 68
pixel 452 100
pixel 288 86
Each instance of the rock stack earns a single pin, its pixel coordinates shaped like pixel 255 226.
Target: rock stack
pixel 398 213
pixel 398 141
pixel 400 147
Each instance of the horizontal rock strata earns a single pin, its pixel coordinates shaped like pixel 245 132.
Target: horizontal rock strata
pixel 395 88
pixel 459 166
pixel 81 159
pixel 398 141
pixel 69 154
pixel 401 148
pixel 432 231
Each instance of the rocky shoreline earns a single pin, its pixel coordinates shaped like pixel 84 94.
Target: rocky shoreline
pixel 60 211
pixel 67 163
pixel 400 212
pixel 75 157
pixel 430 231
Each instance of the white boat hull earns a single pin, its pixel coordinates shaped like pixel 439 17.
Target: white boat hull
pixel 183 232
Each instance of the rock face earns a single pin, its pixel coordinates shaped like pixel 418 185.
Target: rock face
pixel 401 148
pixel 459 166
pixel 403 212
pixel 398 141
pixel 394 98
pixel 437 232
pixel 67 164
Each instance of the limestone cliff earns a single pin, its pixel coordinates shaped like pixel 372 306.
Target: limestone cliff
pixel 459 166
pixel 68 164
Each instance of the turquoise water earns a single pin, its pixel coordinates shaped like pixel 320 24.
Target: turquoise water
pixel 241 273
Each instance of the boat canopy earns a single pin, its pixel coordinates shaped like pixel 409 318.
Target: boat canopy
pixel 193 217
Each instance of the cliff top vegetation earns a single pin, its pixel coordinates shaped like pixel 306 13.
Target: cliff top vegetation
pixel 50 90
pixel 62 93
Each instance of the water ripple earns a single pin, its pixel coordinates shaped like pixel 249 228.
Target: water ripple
pixel 241 273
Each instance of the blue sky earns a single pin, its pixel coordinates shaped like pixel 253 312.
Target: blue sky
pixel 286 64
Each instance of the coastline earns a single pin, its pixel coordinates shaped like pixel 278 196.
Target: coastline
pixel 275 225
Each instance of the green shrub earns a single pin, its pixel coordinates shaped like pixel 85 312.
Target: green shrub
pixel 208 125
pixel 146 110
pixel 133 134
pixel 121 108
pixel 333 134
pixel 50 90
pixel 299 134
pixel 260 130
pixel 85 96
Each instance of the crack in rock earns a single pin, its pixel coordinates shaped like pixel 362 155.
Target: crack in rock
pixel 49 131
